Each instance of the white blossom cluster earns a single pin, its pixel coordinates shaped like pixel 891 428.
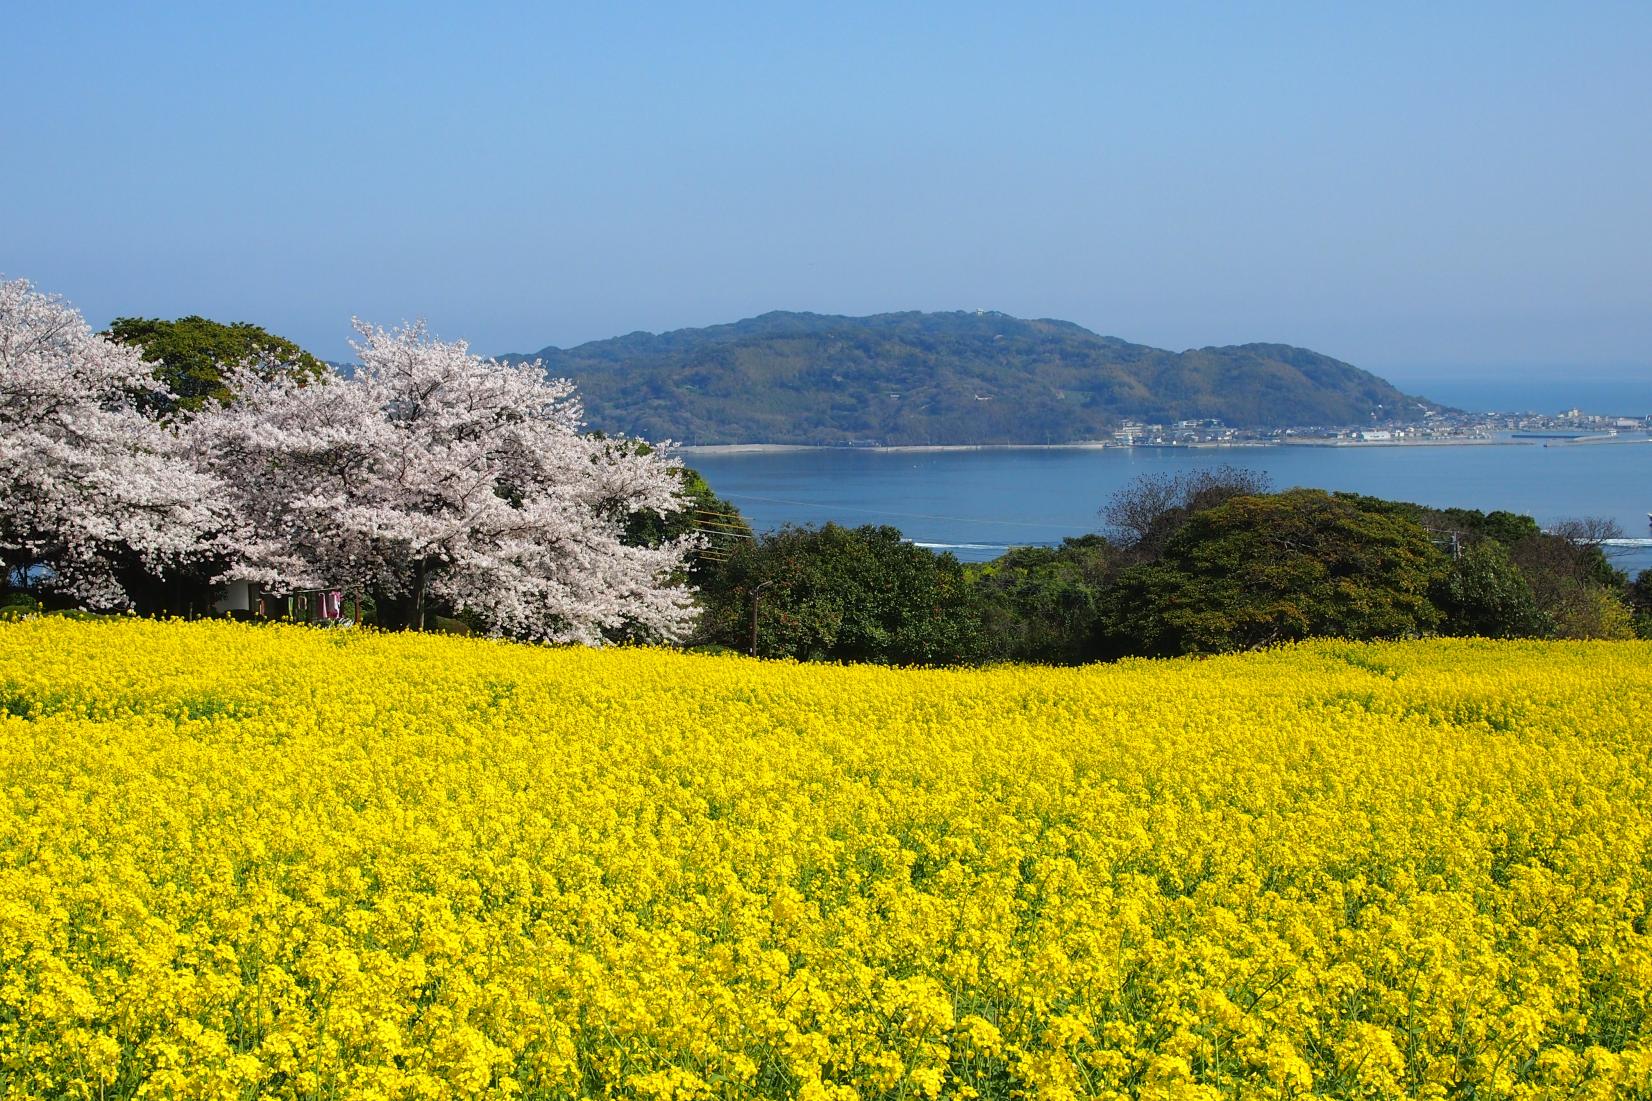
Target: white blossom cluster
pixel 89 487
pixel 427 476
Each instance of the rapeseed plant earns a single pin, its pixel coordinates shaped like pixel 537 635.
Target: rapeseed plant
pixel 291 863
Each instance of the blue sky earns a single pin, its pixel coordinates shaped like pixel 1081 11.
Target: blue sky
pixel 1413 188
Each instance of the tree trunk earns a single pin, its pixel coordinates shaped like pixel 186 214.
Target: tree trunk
pixel 407 610
pixel 418 596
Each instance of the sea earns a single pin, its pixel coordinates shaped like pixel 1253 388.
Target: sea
pixel 978 503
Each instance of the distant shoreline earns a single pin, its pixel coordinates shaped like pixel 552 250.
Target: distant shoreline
pixel 1096 445
pixel 1403 443
pixel 767 448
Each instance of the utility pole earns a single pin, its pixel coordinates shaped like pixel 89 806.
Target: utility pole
pixel 756 598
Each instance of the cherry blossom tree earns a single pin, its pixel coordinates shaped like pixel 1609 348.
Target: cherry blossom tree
pixel 434 478
pixel 92 491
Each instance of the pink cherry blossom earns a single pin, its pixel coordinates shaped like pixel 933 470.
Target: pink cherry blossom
pixel 429 475
pixel 91 487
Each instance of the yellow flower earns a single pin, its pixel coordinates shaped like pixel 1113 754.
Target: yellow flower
pixel 285 863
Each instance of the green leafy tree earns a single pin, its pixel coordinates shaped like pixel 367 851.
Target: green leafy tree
pixel 1143 516
pixel 1258 570
pixel 842 594
pixel 1466 524
pixel 1508 528
pixel 1044 604
pixel 1639 597
pixel 719 523
pixel 1484 593
pixel 191 354
pixel 1593 611
pixel 1575 584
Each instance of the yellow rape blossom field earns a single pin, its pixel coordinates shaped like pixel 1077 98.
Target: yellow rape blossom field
pixel 295 863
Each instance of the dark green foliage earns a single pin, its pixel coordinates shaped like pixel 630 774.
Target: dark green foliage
pixel 1044 604
pixel 17 605
pixel 842 594
pixel 1466 524
pixel 1203 564
pixel 1639 597
pixel 1145 514
pixel 1592 611
pixel 191 354
pixel 1597 569
pixel 1507 528
pixel 448 625
pixel 1639 593
pixel 1575 586
pixel 946 378
pixel 1484 593
pixel 715 520
pixel 1572 583
pixel 1258 570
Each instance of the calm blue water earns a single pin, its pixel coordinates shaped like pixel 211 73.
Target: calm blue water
pixel 1623 395
pixel 977 503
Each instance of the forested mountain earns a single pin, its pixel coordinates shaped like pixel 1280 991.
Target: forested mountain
pixel 947 378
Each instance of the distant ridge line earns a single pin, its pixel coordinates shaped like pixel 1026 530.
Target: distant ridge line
pixel 959 378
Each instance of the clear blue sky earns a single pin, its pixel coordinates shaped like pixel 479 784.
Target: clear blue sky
pixel 1409 187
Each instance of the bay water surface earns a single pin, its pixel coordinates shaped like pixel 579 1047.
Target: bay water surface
pixel 978 503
